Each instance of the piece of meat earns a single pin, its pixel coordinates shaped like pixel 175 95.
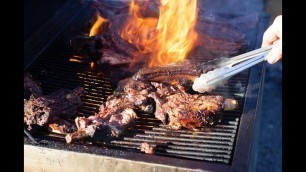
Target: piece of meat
pixel 159 96
pixel 41 110
pixel 137 93
pixel 183 110
pixel 113 40
pixel 30 87
pixel 192 111
pixel 106 125
pixel 117 113
pixel 111 57
pixel 173 72
pixel 61 126
pixel 219 46
pixel 107 48
pixel 173 106
pixel 145 147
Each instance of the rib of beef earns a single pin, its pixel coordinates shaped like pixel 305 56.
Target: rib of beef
pixel 173 72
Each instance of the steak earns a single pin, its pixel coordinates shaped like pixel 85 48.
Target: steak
pixel 179 109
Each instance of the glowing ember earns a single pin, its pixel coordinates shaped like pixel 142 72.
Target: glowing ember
pixel 92 64
pixel 75 60
pixel 75 56
pixel 96 28
pixel 168 38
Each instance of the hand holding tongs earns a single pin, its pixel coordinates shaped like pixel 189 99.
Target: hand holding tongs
pixel 228 67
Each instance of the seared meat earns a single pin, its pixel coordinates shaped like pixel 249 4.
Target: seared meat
pixel 173 72
pixel 62 103
pixel 30 87
pixel 191 111
pixel 112 58
pixel 179 109
pixel 108 123
pixel 107 48
pixel 61 126
pixel 137 93
pixel 173 106
pixel 117 113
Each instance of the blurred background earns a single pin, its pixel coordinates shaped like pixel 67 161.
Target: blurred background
pixel 269 156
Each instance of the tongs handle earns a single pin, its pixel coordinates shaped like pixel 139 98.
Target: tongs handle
pixel 240 63
pixel 229 62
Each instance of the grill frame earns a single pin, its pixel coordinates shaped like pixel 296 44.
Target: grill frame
pixel 246 136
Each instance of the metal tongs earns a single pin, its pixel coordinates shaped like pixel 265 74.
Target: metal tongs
pixel 228 67
pixel 240 63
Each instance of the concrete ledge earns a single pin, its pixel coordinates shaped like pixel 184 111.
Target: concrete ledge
pixel 46 159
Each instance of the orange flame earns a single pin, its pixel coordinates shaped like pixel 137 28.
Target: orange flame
pixel 96 27
pixel 170 37
pixel 176 34
pixel 138 30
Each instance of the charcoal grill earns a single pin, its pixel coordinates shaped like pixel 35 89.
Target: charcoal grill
pixel 228 146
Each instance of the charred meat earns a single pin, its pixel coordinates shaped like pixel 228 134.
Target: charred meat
pixel 168 101
pixel 179 109
pixel 41 110
pixel 173 72
pixel 117 113
pixel 107 48
pixel 61 126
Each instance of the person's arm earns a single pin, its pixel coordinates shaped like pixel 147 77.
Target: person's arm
pixel 273 35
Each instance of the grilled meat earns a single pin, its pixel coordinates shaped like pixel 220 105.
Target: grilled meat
pixel 111 121
pixel 62 103
pixel 137 93
pixel 117 113
pixel 61 126
pixel 179 109
pixel 173 72
pixel 112 58
pixel 172 105
pixel 107 48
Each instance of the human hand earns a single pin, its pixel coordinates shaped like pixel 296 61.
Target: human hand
pixel 273 36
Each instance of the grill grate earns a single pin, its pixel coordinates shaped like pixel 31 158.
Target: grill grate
pixel 54 71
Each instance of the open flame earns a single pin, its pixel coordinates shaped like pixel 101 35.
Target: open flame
pixel 138 30
pixel 96 28
pixel 170 37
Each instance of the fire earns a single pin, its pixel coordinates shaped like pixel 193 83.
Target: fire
pixel 96 28
pixel 138 30
pixel 170 37
pixel 176 34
